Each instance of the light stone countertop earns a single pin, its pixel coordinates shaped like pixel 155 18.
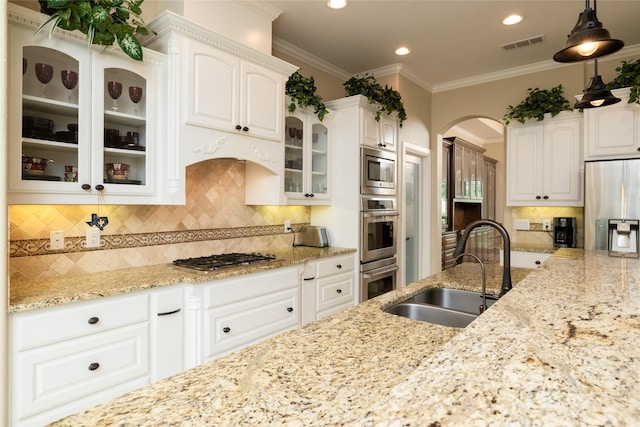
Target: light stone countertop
pixel 33 294
pixel 561 348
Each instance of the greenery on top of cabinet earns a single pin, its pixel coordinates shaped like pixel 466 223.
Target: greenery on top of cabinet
pixel 302 91
pixel 389 100
pixel 539 102
pixel 628 76
pixel 104 22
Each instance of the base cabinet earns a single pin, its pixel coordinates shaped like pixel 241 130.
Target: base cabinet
pixel 328 286
pixel 68 358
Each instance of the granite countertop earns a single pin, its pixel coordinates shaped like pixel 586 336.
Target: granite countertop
pixel 561 348
pixel 33 294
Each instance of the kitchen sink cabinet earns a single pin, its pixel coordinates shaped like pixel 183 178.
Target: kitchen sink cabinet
pixel 307 151
pixel 67 358
pixel 612 132
pixel 241 311
pixel 50 161
pixel 544 162
pixel 328 286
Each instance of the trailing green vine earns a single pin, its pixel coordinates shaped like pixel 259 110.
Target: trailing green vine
pixel 388 99
pixel 302 91
pixel 628 76
pixel 539 102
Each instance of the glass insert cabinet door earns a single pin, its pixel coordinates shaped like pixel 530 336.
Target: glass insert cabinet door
pixel 319 159
pixel 294 155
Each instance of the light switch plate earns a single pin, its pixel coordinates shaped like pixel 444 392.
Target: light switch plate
pixel 93 238
pixel 521 224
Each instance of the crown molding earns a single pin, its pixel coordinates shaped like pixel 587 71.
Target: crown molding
pixel 263 9
pixel 301 55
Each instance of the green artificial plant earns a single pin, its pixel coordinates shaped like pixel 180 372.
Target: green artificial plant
pixel 105 22
pixel 302 91
pixel 628 76
pixel 539 102
pixel 388 99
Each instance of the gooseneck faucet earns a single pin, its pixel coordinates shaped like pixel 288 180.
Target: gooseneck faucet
pixel 483 306
pixel 506 243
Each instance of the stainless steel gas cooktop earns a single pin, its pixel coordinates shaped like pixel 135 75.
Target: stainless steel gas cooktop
pixel 216 262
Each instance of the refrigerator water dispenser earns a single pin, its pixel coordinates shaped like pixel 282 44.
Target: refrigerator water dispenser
pixel 623 237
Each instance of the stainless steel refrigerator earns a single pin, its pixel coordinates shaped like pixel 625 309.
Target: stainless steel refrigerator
pixel 612 206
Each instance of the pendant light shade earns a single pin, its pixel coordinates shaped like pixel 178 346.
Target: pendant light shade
pixel 597 94
pixel 588 39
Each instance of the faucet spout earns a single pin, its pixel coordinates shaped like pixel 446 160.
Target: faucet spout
pixel 506 270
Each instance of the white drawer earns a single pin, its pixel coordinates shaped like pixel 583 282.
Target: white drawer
pixel 237 325
pixel 333 291
pixel 61 373
pixel 68 321
pixel 335 265
pixel 234 289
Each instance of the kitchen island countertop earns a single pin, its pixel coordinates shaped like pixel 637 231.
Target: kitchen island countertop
pixel 561 348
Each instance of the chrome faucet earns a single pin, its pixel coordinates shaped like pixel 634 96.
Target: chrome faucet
pixel 483 307
pixel 506 270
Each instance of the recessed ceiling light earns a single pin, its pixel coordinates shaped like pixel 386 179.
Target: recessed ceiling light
pixel 403 51
pixel 512 19
pixel 336 4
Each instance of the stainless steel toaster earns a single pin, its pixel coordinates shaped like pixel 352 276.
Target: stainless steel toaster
pixel 313 236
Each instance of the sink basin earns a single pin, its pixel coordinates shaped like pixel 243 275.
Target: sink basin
pixel 432 314
pixel 453 299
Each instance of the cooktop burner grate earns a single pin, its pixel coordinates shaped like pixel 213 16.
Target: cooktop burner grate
pixel 216 262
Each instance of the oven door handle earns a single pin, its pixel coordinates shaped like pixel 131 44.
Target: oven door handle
pixel 369 214
pixel 379 271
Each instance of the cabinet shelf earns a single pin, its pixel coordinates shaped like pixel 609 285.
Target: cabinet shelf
pixel 123 118
pixel 293 170
pixel 49 145
pixel 49 106
pixel 124 152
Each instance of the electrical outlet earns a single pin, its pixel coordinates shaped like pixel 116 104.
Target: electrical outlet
pixel 93 238
pixel 287 226
pixel 546 224
pixel 56 240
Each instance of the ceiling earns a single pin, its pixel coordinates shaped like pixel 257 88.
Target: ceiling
pixel 453 43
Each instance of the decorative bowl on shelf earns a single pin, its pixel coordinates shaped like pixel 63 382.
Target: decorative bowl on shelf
pixel 34 165
pixel 117 170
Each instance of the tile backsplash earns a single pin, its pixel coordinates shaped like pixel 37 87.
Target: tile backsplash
pixel 214 219
pixel 536 235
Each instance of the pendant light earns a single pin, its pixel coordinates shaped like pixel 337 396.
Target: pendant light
pixel 597 94
pixel 588 40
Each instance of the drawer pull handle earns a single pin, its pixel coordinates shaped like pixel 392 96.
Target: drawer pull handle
pixel 339 291
pixel 93 320
pixel 289 309
pixel 309 278
pixel 94 366
pixel 339 266
pixel 166 313
pixel 226 329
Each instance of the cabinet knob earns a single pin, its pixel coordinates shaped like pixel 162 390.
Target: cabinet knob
pixel 93 320
pixel 226 329
pixel 538 197
pixel 538 263
pixel 289 309
pixel 94 366
pixel 238 127
pixel 339 291
pixel 339 266
pixel 309 195
pixel 245 129
pixel 638 148
pixel 86 187
pixel 99 187
pixel 545 197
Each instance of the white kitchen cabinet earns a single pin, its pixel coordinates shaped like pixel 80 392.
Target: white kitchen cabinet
pixel 382 134
pixel 544 162
pixel 243 310
pixel 328 286
pixel 612 132
pixel 40 115
pixel 307 158
pixel 70 357
pixel 168 335
pixel 523 259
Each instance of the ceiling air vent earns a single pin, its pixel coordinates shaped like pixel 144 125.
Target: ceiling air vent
pixel 522 43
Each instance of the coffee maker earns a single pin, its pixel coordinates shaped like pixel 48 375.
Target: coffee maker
pixel 564 232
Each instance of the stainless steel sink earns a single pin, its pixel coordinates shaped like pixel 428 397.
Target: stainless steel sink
pixel 454 299
pixel 443 306
pixel 432 314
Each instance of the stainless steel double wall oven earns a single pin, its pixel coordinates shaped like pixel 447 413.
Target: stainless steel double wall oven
pixel 379 223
